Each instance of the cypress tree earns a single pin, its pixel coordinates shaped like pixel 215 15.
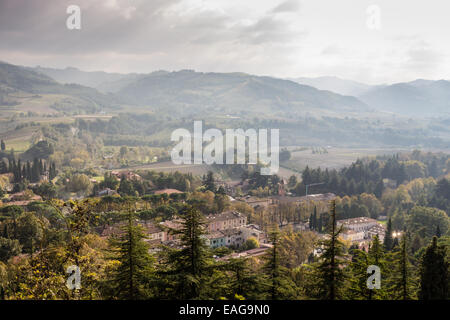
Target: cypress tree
pixel 3 145
pixel 388 241
pixel 438 231
pixel 434 273
pixel 315 219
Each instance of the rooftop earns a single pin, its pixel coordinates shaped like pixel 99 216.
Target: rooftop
pixel 227 215
pixel 356 220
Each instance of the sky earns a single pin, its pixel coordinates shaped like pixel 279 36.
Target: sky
pixel 379 41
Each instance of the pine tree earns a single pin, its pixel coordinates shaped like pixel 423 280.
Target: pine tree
pixel 244 281
pixel 377 257
pixel 188 269
pixel 388 241
pixel 329 273
pixel 402 285
pixel 434 273
pixel 279 284
pixel 131 280
pixel 358 282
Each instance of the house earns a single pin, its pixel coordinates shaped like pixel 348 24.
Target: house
pixel 225 220
pixel 247 254
pixel 253 231
pixel 154 232
pixel 216 239
pixel 106 192
pixel 234 237
pixel 129 175
pixel 171 226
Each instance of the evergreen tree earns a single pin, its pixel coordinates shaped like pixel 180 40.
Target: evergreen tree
pixel 379 189
pixel 357 283
pixel 244 281
pixel 320 223
pixel 131 280
pixel 3 167
pixel 377 257
pixel 328 272
pixel 278 281
pixel 3 145
pixel 126 187
pixel 434 273
pixel 402 285
pixel 438 231
pixel 315 219
pixel 52 171
pixel 208 182
pixel 388 241
pixel 188 269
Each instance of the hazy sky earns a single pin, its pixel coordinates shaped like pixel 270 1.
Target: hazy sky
pixel 290 38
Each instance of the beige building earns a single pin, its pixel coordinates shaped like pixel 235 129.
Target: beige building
pixel 225 220
pixel 355 227
pixel 357 224
pixel 353 235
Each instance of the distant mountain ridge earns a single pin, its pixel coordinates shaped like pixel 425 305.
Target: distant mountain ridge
pixel 232 93
pixel 335 84
pixel 85 78
pixel 416 98
pixel 15 81
pixel 187 92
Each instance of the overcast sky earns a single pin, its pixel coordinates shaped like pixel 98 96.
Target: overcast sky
pixel 280 38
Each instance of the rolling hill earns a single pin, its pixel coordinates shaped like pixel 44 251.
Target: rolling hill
pixel 335 84
pixel 19 84
pixel 423 98
pixel 188 92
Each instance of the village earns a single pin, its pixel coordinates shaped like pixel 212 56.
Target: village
pixel 229 229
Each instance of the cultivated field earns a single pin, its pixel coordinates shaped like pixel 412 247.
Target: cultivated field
pixel 335 158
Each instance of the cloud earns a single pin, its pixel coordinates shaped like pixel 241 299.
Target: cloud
pixel 331 50
pixel 287 6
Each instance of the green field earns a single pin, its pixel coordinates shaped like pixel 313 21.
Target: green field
pixel 335 158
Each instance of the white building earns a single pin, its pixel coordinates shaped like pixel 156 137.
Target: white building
pixel 357 229
pixel 353 235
